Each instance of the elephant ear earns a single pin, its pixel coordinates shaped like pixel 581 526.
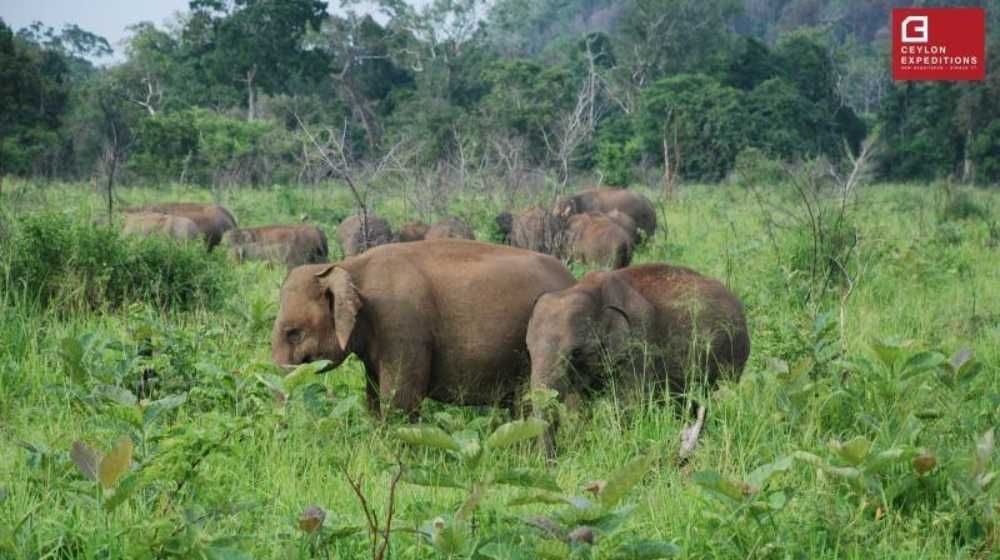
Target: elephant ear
pixel 346 302
pixel 624 308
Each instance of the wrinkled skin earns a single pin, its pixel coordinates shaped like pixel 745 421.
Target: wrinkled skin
pixel 595 238
pixel 442 319
pixel 153 223
pixel 292 245
pixel 534 229
pixel 448 228
pixel 648 320
pixel 633 204
pixel 213 221
pixel 351 238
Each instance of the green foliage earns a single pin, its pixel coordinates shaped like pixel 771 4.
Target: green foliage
pixel 985 152
pixel 64 262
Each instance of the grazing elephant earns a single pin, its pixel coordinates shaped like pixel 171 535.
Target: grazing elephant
pixel 413 231
pixel 450 228
pixel 597 239
pixel 350 234
pixel 659 324
pixel 443 319
pixel 626 222
pixel 154 223
pixel 534 229
pixel 212 220
pixel 292 245
pixel 635 205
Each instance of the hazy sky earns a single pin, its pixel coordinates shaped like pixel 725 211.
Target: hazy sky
pixel 107 18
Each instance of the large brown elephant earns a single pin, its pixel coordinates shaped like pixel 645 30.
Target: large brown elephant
pixel 212 220
pixel 595 238
pixel 154 223
pixel 350 234
pixel 635 205
pixel 535 229
pixel 660 325
pixel 442 319
pixel 292 245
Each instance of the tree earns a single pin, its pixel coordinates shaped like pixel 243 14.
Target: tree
pixel 258 43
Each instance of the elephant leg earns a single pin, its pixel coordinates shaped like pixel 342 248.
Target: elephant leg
pixel 404 377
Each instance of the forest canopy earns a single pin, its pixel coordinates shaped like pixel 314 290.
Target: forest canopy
pixel 240 91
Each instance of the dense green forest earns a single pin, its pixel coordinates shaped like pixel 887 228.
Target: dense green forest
pixel 264 92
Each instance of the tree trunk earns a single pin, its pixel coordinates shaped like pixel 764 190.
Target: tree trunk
pixel 967 171
pixel 251 93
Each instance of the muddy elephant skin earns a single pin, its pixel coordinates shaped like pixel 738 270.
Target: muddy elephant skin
pixel 631 203
pixel 292 244
pixel 351 237
pixel 153 223
pixel 213 221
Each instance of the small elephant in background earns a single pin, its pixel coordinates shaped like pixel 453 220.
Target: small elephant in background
pixel 213 220
pixel 535 229
pixel 602 199
pixel 448 228
pixel 658 324
pixel 155 223
pixel 595 238
pixel 353 240
pixel 292 245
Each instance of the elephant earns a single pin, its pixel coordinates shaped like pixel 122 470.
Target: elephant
pixel 626 222
pixel 442 319
pixel 212 220
pixel 292 245
pixel 535 229
pixel 597 239
pixel 448 228
pixel 635 205
pixel 659 324
pixel 154 223
pixel 413 231
pixel 352 240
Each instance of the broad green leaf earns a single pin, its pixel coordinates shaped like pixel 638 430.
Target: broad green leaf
pixel 645 550
pixel 960 359
pixel 984 452
pixel 422 476
pixel 116 394
pixel 428 436
pixel 216 552
pixel 854 451
pixel 778 366
pixel 801 368
pixel 527 478
pixel 154 409
pixel 315 400
pixel 503 551
pixel 512 432
pixel 126 487
pixel 552 550
pixel 889 351
pixel 535 496
pixel 622 480
pixel 470 504
pixel 722 487
pixel 885 458
pixel 115 463
pixel 759 477
pixel 85 459
pixel 843 472
pixel 922 362
pixel 469 441
pixel 305 373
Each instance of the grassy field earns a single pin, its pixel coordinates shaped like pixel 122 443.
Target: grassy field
pixel 869 400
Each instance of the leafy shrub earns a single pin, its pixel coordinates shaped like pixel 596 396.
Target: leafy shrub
pixel 960 205
pixel 615 161
pixel 64 262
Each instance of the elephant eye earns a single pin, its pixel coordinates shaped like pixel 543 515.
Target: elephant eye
pixel 294 336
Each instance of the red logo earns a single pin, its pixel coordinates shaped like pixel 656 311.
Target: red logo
pixel 938 44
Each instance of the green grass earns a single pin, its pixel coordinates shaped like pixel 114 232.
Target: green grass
pixel 230 468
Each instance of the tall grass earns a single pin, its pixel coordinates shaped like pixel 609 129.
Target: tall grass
pixel 226 467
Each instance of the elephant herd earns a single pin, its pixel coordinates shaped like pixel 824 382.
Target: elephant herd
pixel 432 313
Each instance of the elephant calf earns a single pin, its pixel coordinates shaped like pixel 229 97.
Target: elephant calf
pixel 212 220
pixel 659 324
pixel 292 245
pixel 153 223
pixel 444 319
pixel 597 239
pixel 631 203
pixel 353 240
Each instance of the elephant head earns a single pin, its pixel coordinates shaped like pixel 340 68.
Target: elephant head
pixel 575 330
pixel 319 311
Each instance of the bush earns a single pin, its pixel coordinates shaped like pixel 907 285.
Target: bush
pixel 960 205
pixel 61 261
